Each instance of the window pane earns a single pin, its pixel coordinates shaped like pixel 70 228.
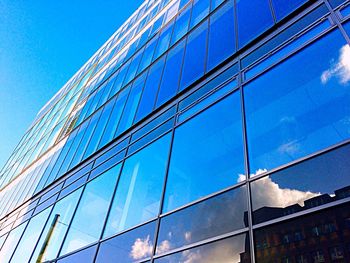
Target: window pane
pixel 233 249
pixel 138 193
pixel 284 7
pixel 10 243
pixel 181 25
pixel 30 237
pixel 132 246
pixel 88 220
pixel 171 75
pixel 323 179
pixel 150 90
pixel 221 27
pixel 87 255
pixel 199 11
pixel 307 238
pixel 254 17
pixel 148 54
pixel 163 42
pixel 213 217
pixel 194 171
pixel 195 54
pixel 300 106
pixel 133 67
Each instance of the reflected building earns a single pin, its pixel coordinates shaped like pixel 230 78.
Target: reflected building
pixel 202 131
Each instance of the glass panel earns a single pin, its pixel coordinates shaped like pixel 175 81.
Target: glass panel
pixel 323 179
pixel 171 75
pixel 131 105
pixel 181 25
pixel 194 171
pixel 163 42
pixel 317 237
pixel 133 67
pixel 132 246
pixel 148 54
pixel 195 54
pixel 213 217
pixel 64 209
pixel 87 255
pixel 199 11
pixel 89 218
pixel 249 28
pixel 292 112
pixel 221 28
pixel 113 121
pixel 233 249
pixel 30 237
pixel 284 7
pixel 138 193
pixel 150 90
pixel 10 243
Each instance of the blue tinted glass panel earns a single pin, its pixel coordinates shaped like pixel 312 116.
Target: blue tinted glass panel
pixel 139 190
pixel 121 76
pixel 88 220
pixel 292 112
pixel 194 171
pixel 150 90
pixel 132 246
pixel 216 3
pixel 148 54
pixel 181 25
pixel 87 255
pixel 171 75
pixel 195 54
pixel 284 7
pixel 131 105
pixel 113 121
pixel 133 67
pixel 221 35
pixel 254 17
pixel 199 11
pixel 163 42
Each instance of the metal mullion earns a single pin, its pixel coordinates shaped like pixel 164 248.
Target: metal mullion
pixel 246 162
pixel 161 203
pixel 272 10
pixel 336 20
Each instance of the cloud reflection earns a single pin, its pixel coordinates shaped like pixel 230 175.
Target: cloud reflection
pixel 141 248
pixel 339 69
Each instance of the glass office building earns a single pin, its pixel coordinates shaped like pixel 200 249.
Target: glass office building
pixel 202 131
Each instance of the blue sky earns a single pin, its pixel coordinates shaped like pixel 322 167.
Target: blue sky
pixel 43 43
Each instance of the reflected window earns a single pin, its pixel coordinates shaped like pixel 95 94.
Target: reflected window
pixel 195 171
pixel 213 217
pixel 88 220
pixel 270 245
pixel 253 18
pixel 131 246
pixel 64 209
pixel 233 249
pixel 323 179
pixel 221 27
pixel 293 110
pixel 139 190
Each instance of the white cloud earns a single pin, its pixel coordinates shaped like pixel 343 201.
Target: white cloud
pixel 164 247
pixel 339 69
pixel 141 248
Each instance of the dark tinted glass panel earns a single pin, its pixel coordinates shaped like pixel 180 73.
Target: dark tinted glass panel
pixel 199 11
pixel 254 17
pixel 293 112
pixel 321 180
pixel 181 25
pixel 138 193
pixel 213 217
pixel 171 75
pixel 131 246
pixel 87 255
pixel 233 249
pixel 89 217
pixel 194 170
pixel 284 7
pixel 221 35
pixel 313 238
pixel 195 54
pixel 150 90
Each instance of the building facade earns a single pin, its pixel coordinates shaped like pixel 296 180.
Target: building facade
pixel 201 131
